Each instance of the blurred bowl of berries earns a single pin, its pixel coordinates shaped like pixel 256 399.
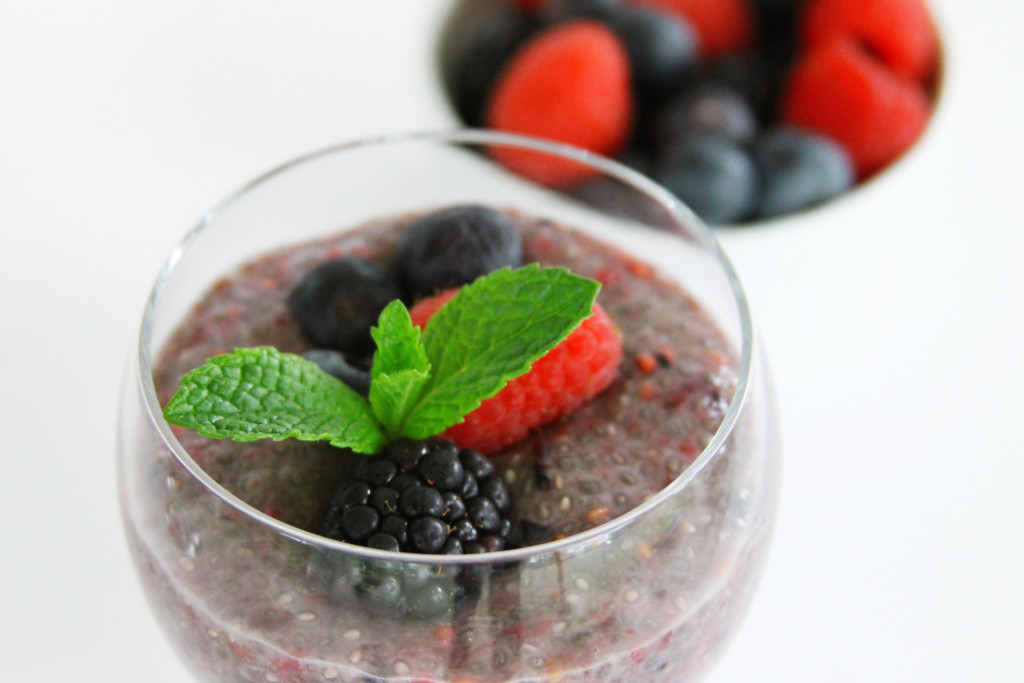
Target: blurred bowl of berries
pixel 398 412
pixel 747 110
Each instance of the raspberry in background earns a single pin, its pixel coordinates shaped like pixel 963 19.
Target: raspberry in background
pixel 722 26
pixel 569 84
pixel 847 95
pixel 900 33
pixel 576 370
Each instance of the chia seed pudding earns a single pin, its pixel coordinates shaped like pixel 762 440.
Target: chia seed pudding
pixel 650 601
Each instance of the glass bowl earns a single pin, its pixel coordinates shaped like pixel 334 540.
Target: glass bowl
pixel 223 533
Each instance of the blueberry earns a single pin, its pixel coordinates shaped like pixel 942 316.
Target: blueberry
pixel 706 109
pixel 715 177
pixel 335 364
pixel 337 302
pixel 662 49
pixel 454 246
pixel 799 169
pixel 476 43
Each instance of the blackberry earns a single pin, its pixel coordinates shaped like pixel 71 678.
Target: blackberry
pixel 424 497
pixel 454 246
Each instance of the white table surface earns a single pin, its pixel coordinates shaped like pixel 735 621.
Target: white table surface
pixel 893 319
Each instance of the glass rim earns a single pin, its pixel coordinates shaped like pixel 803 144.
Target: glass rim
pixel 144 357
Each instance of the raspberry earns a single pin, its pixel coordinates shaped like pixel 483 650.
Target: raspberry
pixel 569 84
pixel 722 26
pixel 842 93
pixel 573 372
pixel 899 32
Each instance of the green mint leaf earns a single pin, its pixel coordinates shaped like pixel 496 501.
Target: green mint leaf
pixel 259 393
pixel 491 332
pixel 400 367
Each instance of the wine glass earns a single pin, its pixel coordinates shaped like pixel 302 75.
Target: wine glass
pixel 659 495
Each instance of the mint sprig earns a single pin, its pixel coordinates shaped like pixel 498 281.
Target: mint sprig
pixel 400 368
pixel 491 332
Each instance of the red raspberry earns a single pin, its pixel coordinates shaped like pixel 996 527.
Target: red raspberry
pixel 569 375
pixel 569 84
pixel 842 93
pixel 899 32
pixel 722 26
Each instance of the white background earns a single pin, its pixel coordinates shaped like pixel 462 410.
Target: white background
pixel 893 319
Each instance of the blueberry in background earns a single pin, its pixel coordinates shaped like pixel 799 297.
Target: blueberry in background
pixel 556 11
pixel 799 169
pixel 757 75
pixel 454 246
pixel 662 49
pixel 338 301
pixel 475 44
pixel 705 109
pixel 712 175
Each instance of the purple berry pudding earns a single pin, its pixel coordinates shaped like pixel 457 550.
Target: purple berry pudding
pixel 401 415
